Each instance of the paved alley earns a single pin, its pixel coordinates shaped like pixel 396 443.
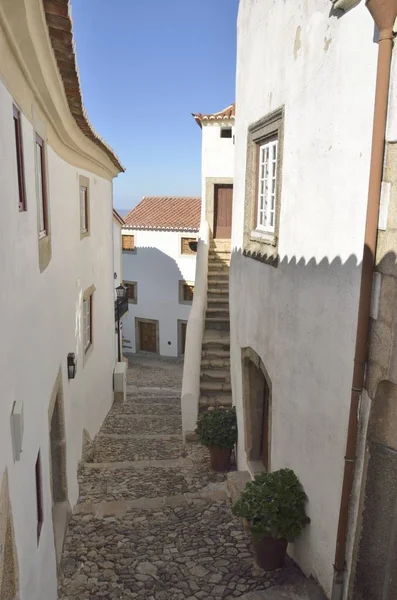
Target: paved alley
pixel 153 521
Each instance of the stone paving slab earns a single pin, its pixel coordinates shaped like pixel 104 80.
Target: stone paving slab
pixel 197 551
pixel 119 423
pixel 144 408
pixel 119 484
pixel 108 449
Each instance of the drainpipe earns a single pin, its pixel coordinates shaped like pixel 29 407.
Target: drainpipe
pixel 384 13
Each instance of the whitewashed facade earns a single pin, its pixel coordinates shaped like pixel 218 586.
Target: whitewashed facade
pixel 158 269
pixel 49 268
pixel 295 275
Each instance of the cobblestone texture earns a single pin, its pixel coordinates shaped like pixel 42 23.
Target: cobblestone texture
pixel 192 548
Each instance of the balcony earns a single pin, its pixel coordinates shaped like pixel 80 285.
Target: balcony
pixel 121 303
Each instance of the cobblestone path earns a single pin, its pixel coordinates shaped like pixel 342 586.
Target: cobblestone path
pixel 153 521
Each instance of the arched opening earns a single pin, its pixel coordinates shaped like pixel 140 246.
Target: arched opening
pixel 257 410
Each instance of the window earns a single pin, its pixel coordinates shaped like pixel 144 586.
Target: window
pixel 128 243
pixel 267 182
pixel 185 245
pixel 84 206
pixel 19 152
pixel 41 187
pixel 226 132
pixel 186 291
pixel 131 291
pixel 87 322
pixel 39 496
pixel 263 180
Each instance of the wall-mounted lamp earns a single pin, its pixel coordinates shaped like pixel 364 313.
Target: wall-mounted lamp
pixel 72 365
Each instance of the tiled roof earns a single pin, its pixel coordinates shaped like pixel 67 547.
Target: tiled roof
pixel 226 114
pixel 60 29
pixel 166 212
pixel 118 217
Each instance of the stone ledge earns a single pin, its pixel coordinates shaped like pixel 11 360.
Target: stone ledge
pixel 236 481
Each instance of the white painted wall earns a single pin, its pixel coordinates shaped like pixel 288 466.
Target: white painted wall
pixel 157 266
pixel 301 317
pixel 217 155
pixel 40 323
pixel 117 252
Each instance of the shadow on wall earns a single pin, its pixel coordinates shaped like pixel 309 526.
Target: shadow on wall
pixel 300 317
pixel 157 276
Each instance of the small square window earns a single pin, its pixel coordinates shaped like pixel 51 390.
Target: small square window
pixel 128 243
pixel 187 245
pixel 19 156
pixel 186 292
pixel 226 132
pixel 131 291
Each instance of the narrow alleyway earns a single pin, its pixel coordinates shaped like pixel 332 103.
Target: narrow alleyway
pixel 153 521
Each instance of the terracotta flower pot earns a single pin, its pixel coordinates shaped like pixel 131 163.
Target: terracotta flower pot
pixel 269 552
pixel 220 458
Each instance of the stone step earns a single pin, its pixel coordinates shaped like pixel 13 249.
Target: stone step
pixel 213 352
pixel 212 387
pixel 214 339
pixel 145 408
pixel 130 424
pixel 220 399
pixel 126 448
pixel 212 362
pixel 218 292
pixel 217 300
pixel 218 266
pixel 220 276
pixel 219 324
pixel 215 374
pixel 217 312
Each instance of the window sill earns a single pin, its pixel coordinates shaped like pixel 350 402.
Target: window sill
pixel 186 302
pixel 132 301
pixel 87 353
pixel 42 235
pixel 263 237
pixel 84 234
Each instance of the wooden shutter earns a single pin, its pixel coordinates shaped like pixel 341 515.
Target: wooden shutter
pixel 128 242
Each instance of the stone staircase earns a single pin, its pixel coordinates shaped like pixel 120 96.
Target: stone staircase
pixel 215 386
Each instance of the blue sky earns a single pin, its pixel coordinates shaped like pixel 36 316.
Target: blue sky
pixel 145 65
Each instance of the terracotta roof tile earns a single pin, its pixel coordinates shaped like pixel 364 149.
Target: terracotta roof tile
pixel 166 212
pixel 60 29
pixel 226 114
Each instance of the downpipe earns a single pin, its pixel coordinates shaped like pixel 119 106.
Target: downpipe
pixel 384 14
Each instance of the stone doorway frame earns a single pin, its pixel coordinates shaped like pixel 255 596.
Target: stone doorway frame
pixel 61 511
pixel 253 414
pixel 138 321
pixel 9 573
pixel 210 183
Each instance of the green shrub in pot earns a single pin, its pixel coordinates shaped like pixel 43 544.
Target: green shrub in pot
pixel 217 429
pixel 274 506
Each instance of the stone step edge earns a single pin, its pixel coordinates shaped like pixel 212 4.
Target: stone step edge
pixel 167 437
pixel 119 508
pixel 141 464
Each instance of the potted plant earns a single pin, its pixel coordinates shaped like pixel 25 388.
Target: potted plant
pixel 217 429
pixel 274 507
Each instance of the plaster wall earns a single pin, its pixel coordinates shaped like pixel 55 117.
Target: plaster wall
pixel 117 252
pixel 40 323
pixel 217 157
pixel 300 318
pixel 157 266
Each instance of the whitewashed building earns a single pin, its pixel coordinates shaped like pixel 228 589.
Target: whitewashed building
pixel 57 351
pixel 159 264
pixel 206 372
pixel 301 247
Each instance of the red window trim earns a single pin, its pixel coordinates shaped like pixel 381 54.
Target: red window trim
pixel 39 496
pixel 20 163
pixel 40 142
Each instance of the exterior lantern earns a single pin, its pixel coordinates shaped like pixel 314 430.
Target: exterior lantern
pixel 72 365
pixel 120 291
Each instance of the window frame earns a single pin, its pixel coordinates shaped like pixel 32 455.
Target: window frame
pixel 260 241
pixel 182 285
pixel 226 130
pixel 192 238
pixel 133 284
pixel 42 202
pixel 87 343
pixel 17 117
pixel 39 495
pixel 129 235
pixel 84 183
pixel 260 209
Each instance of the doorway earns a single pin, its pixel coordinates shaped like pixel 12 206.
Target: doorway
pixel 147 335
pixel 257 410
pixel 223 202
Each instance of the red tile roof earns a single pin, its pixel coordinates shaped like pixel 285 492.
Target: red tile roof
pixel 166 212
pixel 60 29
pixel 226 114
